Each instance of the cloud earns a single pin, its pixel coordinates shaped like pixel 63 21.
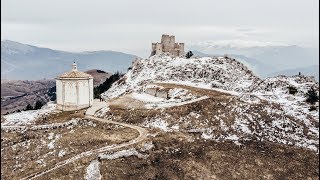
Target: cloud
pixel 131 26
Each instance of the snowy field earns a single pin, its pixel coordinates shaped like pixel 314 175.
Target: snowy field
pixel 178 97
pixel 27 117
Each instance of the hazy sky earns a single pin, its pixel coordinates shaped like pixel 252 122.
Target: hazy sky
pixel 131 25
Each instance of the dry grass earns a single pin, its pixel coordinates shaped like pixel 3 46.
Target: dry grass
pixel 61 116
pixel 75 170
pixel 176 155
pixel 73 141
pixel 126 102
pixel 173 157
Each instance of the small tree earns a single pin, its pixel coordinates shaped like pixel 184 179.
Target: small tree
pixel 312 108
pixel 189 54
pixel 100 71
pixel 97 91
pixel 292 90
pixel 29 107
pixel 312 96
pixel 52 93
pixel 38 105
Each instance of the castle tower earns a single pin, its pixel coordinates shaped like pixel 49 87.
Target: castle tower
pixel 168 45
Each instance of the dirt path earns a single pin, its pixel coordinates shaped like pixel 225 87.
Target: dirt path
pixel 89 114
pixel 97 105
pixel 216 93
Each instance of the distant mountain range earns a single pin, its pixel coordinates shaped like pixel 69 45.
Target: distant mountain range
pixel 26 62
pixel 309 70
pixel 278 56
pixel 265 60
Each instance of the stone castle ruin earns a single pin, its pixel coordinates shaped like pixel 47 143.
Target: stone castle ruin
pixel 168 45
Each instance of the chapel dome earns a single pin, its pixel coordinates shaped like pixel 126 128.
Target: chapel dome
pixel 75 74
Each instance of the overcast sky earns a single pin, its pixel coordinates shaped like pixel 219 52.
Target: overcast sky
pixel 131 25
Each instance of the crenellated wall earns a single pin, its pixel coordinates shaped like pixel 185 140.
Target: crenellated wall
pixel 168 45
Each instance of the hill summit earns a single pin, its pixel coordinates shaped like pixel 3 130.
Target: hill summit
pixel 244 106
pixel 206 72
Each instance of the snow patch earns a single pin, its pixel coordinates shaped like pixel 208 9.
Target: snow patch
pixel 146 97
pixel 51 144
pixel 122 153
pixel 147 146
pixel 93 171
pixel 27 117
pixel 157 123
pixel 61 153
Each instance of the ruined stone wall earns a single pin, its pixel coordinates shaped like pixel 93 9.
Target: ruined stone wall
pixel 162 93
pixel 181 49
pixel 151 91
pixel 153 49
pixel 157 92
pixel 168 45
pixel 159 48
pixel 156 49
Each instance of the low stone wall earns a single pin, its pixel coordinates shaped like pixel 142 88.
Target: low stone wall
pixel 157 92
pixel 162 93
pixel 151 91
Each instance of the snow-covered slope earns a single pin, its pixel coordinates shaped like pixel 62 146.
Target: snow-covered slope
pixel 27 117
pixel 207 72
pixel 218 73
pixel 275 89
pixel 260 109
pixel 306 70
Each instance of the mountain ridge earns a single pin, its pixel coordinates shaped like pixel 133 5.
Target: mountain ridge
pixel 26 62
pixel 280 56
pixel 264 70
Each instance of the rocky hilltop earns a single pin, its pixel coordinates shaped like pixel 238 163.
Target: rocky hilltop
pixel 205 72
pixel 256 109
pixel 173 118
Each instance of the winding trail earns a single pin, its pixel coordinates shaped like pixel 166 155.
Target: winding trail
pixel 97 105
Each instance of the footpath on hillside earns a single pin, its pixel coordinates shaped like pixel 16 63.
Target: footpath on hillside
pixel 90 115
pixel 97 105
